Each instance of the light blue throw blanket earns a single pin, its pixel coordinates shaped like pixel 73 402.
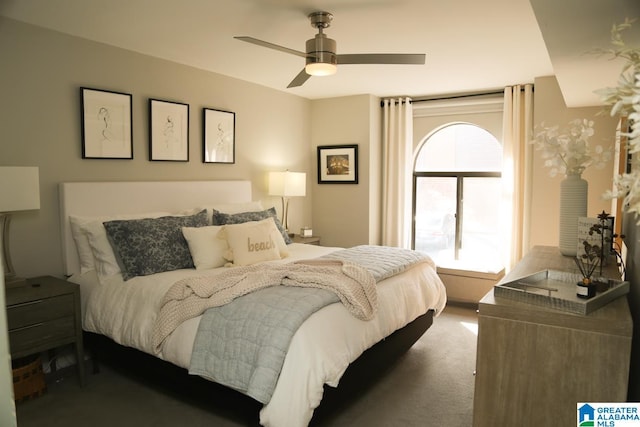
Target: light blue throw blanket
pixel 381 261
pixel 243 344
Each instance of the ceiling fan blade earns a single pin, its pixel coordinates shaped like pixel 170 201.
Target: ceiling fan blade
pixel 271 45
pixel 382 58
pixel 299 79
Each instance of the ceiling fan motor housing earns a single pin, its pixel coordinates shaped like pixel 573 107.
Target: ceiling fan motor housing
pixel 321 49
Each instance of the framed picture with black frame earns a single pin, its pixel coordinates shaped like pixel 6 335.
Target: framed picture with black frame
pixel 338 164
pixel 218 136
pixel 106 120
pixel 168 131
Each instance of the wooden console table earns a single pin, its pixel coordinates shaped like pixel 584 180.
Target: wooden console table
pixel 534 364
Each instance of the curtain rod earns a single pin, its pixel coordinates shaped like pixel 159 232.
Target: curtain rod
pixel 456 96
pixel 462 95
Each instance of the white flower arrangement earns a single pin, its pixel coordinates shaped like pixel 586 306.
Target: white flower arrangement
pixel 567 151
pixel 624 99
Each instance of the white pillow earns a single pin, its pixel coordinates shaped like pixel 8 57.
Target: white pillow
pixel 207 251
pixel 82 243
pixel 254 241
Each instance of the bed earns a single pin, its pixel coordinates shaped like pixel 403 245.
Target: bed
pixel 126 310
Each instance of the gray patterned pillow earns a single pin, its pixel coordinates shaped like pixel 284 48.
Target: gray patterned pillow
pixel 220 218
pixel 152 245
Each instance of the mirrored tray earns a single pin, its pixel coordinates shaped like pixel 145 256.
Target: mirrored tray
pixel 557 290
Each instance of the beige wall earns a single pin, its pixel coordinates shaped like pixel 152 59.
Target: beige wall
pixel 549 107
pixel 343 214
pixel 40 77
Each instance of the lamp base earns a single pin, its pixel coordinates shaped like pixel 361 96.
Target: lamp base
pixel 14 281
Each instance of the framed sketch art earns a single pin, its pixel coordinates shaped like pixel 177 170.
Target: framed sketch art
pixel 106 124
pixel 219 134
pixel 338 164
pixel 168 131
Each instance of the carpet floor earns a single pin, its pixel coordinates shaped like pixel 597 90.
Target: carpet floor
pixel 431 385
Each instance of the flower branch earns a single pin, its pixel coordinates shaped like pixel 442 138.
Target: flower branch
pixel 568 151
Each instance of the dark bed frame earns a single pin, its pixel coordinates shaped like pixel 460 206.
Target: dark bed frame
pixel 175 381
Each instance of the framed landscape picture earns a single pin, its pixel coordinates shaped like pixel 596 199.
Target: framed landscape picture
pixel 338 164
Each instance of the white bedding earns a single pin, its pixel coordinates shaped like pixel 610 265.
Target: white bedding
pixel 125 312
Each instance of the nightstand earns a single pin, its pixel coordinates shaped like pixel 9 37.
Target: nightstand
pixel 43 315
pixel 313 240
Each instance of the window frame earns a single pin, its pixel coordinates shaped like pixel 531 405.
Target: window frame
pixel 460 176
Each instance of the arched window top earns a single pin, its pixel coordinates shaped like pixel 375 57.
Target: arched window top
pixel 460 147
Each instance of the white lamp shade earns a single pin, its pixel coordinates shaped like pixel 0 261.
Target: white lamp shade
pixel 19 188
pixel 288 184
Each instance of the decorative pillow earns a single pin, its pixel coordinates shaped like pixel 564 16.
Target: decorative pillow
pixel 220 218
pixel 152 245
pixel 207 251
pixel 94 236
pixel 254 241
pixel 234 208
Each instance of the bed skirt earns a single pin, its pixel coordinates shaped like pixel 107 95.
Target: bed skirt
pixel 176 381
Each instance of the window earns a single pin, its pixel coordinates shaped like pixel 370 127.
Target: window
pixel 457 193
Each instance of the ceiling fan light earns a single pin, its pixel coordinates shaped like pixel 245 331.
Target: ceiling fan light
pixel 320 69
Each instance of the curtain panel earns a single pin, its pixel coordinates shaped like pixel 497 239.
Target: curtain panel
pixel 516 171
pixel 397 171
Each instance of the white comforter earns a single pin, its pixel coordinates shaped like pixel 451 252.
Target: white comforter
pixel 126 311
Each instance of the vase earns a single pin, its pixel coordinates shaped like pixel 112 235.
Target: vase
pixel 573 204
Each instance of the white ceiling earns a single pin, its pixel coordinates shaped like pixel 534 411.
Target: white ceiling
pixel 471 45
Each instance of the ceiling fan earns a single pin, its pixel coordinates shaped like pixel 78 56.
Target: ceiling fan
pixel 321 58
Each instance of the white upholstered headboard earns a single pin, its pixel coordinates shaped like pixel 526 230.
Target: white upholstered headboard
pixel 110 198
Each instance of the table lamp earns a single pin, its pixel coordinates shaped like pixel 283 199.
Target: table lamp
pixel 287 184
pixel 19 191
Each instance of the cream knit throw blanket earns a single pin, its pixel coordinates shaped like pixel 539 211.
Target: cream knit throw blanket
pixel 190 297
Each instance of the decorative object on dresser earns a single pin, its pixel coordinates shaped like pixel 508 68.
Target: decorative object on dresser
pixel 19 191
pixel 534 363
pixel 306 232
pixel 168 131
pixel 338 164
pixel 574 191
pixel 107 132
pixel 567 151
pixel 219 130
pixel 287 184
pixel 43 315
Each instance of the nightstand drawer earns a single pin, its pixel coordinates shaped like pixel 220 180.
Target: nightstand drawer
pixel 40 310
pixel 41 336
